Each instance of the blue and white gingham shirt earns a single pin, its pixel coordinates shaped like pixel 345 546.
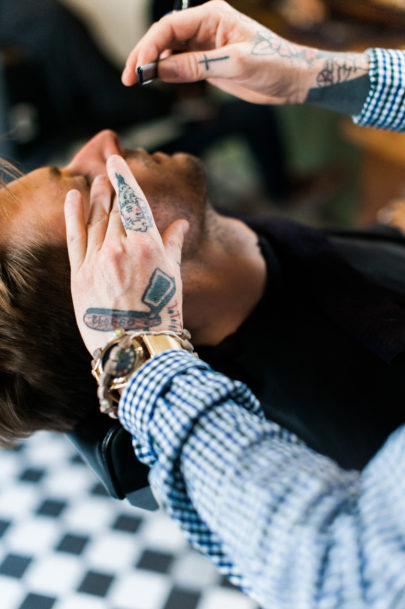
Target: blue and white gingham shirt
pixel 286 524
pixel 384 107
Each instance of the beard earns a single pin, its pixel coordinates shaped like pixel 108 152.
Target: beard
pixel 184 197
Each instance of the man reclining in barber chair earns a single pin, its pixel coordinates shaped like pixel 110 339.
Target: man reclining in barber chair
pixel 313 323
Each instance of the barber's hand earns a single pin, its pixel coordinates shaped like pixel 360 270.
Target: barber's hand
pixel 219 44
pixel 124 274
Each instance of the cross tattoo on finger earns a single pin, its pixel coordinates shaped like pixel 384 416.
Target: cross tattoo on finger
pixel 206 61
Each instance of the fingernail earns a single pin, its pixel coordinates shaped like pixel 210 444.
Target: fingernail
pixel 126 73
pixel 147 73
pixel 72 194
pixel 112 158
pixel 100 179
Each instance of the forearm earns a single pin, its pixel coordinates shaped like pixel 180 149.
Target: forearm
pixel 300 530
pixel 338 81
pixel 283 522
pixel 370 86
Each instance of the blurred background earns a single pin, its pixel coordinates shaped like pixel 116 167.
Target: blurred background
pixel 60 64
pixel 64 544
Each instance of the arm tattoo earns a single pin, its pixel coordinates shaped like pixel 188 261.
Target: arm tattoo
pixel 342 85
pixel 346 97
pixel 160 290
pixel 336 71
pixel 134 210
pixel 207 61
pixel 342 82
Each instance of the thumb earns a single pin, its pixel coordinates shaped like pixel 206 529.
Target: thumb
pixel 173 239
pixel 198 65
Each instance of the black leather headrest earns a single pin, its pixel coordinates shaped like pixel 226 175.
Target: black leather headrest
pixel 107 447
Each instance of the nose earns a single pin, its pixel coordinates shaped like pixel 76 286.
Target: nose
pixel 92 157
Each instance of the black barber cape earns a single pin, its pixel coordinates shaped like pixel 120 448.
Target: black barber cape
pixel 323 349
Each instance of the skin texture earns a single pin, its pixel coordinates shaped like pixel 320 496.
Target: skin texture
pixel 219 254
pixel 222 271
pixel 124 273
pixel 241 57
pixel 32 206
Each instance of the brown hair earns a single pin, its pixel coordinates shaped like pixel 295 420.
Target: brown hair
pixel 45 380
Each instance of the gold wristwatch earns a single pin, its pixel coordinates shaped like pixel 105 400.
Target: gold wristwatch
pixel 134 349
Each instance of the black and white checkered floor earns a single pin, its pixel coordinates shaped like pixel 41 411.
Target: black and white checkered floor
pixel 65 545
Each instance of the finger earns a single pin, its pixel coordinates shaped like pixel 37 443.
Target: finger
pixel 198 25
pixel 100 205
pixel 173 239
pixel 76 234
pixel 136 215
pixel 166 53
pixel 115 229
pixel 201 65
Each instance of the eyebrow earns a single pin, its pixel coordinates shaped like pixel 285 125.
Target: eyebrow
pixel 54 171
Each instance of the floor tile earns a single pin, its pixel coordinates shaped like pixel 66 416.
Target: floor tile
pixel 151 560
pixel 96 584
pixel 31 474
pixel 182 598
pixel 15 565
pixel 72 544
pixel 130 524
pixel 51 507
pixel 65 544
pixel 37 601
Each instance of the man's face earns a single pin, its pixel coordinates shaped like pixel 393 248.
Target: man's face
pixel 174 186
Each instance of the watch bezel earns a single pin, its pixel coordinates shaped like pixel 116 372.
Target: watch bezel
pixel 118 382
pixel 144 346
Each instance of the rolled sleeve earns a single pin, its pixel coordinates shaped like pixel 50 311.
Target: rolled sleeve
pixel 384 107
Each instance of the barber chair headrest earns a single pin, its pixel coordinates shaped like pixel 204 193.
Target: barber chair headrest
pixel 107 447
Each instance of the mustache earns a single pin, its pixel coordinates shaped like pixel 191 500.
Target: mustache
pixel 140 156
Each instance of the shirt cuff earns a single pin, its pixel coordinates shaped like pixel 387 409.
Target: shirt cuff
pixel 180 387
pixel 137 404
pixel 384 107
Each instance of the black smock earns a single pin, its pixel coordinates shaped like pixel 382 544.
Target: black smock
pixel 323 349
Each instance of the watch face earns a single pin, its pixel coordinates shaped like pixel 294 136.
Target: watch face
pixel 125 360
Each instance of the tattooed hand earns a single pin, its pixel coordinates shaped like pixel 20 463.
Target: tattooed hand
pixel 124 274
pixel 240 56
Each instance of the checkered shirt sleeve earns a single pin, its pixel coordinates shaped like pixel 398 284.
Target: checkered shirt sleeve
pixel 384 107
pixel 286 524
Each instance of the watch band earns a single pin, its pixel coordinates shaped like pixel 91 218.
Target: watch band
pixel 114 364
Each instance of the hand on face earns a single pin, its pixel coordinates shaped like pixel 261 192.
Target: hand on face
pixel 124 274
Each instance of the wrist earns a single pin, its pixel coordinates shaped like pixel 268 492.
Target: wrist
pixel 336 81
pixel 303 77
pixel 115 363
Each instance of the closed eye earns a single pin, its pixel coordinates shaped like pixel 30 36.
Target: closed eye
pixel 55 172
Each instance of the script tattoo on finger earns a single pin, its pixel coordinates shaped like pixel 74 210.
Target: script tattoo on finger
pixel 160 290
pixel 206 61
pixel 135 212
